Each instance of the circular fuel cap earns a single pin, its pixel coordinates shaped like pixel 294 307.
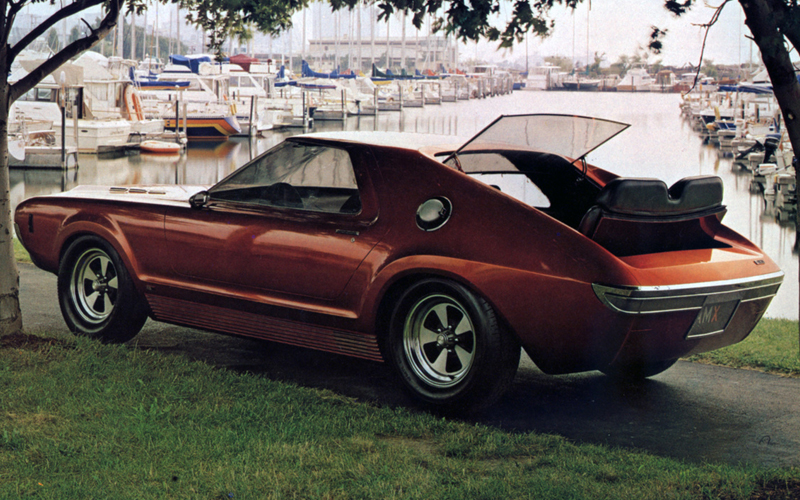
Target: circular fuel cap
pixel 434 213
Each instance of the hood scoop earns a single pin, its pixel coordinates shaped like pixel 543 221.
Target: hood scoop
pixel 136 190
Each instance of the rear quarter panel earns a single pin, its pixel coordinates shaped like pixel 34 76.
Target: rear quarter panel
pixel 534 271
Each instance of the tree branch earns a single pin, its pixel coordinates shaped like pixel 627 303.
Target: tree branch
pixel 8 22
pixel 50 65
pixel 789 22
pixel 71 9
pixel 707 26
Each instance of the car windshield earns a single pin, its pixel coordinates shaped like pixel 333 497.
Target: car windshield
pixel 564 135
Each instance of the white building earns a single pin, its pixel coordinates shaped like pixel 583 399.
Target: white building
pixel 423 52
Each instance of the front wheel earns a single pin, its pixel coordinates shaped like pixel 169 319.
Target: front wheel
pixel 448 348
pixel 96 293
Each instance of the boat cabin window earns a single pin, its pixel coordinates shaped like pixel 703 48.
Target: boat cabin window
pixel 295 176
pixel 241 81
pixel 40 95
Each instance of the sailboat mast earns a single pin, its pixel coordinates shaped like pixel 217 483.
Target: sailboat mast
pixel 388 52
pixel 133 35
pixel 350 40
pixel 587 38
pixel 157 50
pixel 573 41
pixel 144 35
pixel 371 35
pixel 178 29
pixel 337 21
pixel 120 34
pixel 358 60
pixel 403 44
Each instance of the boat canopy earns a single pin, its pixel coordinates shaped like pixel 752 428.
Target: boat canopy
pixel 244 61
pixel 569 136
pixel 191 62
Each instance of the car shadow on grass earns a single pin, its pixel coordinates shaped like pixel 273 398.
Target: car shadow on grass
pixel 654 415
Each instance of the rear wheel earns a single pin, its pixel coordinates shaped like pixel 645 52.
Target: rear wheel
pixel 632 372
pixel 447 347
pixel 96 293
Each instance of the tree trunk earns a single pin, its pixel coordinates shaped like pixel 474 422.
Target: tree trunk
pixel 10 315
pixel 763 18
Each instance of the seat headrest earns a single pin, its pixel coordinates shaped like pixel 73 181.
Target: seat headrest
pixel 650 197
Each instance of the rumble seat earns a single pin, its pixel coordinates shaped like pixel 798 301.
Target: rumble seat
pixel 634 216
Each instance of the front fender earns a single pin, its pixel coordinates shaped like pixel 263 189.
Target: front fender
pixel 48 228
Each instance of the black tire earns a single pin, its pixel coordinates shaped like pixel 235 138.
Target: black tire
pixel 96 293
pixel 635 372
pixel 448 348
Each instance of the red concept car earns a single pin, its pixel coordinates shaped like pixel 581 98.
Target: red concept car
pixel 442 261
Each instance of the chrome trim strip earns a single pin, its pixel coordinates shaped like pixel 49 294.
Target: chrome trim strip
pixel 688 296
pixel 702 335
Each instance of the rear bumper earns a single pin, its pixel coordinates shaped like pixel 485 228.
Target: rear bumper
pixel 677 320
pixel 690 297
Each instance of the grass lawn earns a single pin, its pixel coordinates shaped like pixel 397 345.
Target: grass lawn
pixel 80 420
pixel 772 347
pixel 20 253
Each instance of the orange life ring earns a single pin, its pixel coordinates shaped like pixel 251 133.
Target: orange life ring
pixel 127 99
pixel 137 106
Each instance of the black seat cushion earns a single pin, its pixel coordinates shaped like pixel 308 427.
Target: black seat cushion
pixel 650 197
pixel 636 216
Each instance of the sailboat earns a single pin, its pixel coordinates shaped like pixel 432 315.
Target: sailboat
pixel 576 81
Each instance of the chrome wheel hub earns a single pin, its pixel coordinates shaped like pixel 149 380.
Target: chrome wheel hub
pixel 93 288
pixel 439 341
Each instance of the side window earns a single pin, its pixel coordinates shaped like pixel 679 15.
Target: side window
pixel 297 176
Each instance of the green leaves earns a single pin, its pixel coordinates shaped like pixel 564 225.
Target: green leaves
pixel 656 36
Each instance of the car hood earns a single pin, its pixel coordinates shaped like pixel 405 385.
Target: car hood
pixel 158 193
pixel 565 135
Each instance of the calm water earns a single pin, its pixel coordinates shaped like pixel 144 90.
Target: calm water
pixel 658 144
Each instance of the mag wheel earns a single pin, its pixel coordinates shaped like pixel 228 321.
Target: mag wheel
pixel 447 347
pixel 96 294
pixel 439 341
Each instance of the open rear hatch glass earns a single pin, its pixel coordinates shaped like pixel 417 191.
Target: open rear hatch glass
pixel 565 135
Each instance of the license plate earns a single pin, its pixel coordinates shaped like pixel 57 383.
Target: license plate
pixel 712 319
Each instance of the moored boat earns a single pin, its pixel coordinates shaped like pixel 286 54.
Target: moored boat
pixel 580 83
pixel 160 147
pixel 635 80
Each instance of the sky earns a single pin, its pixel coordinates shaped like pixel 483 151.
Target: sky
pixel 619 27
pixel 615 28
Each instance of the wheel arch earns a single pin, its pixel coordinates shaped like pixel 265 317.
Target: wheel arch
pixel 128 311
pixel 114 237
pixel 488 366
pixel 401 282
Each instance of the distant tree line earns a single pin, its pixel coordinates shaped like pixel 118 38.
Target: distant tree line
pixel 625 62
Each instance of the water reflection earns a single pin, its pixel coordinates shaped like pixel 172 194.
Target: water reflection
pixel 658 144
